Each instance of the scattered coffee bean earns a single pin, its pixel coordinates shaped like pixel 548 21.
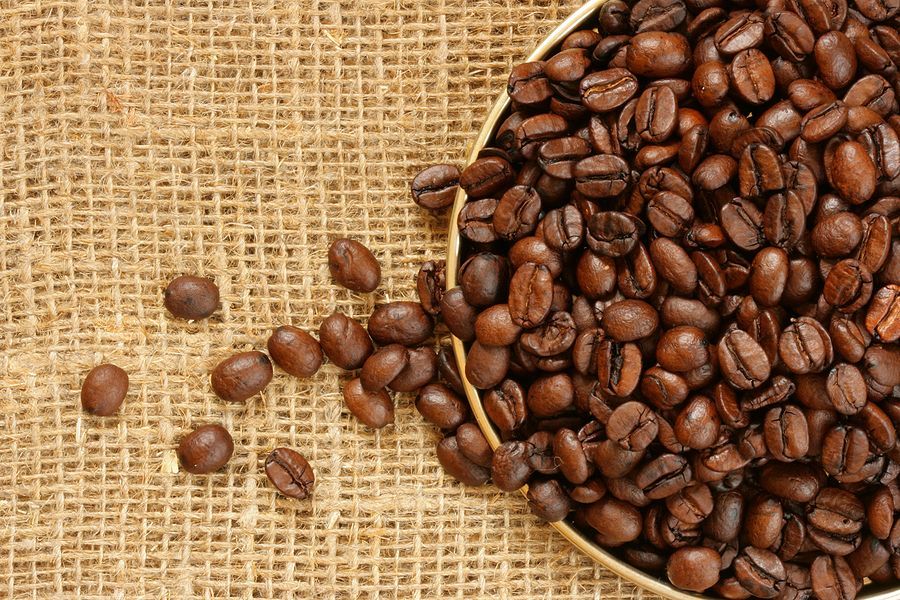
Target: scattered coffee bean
pixel 104 390
pixel 242 376
pixel 374 409
pixel 295 351
pixel 344 341
pixel 191 298
pixel 290 473
pixel 353 266
pixel 206 449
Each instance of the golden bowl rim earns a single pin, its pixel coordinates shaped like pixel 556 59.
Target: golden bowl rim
pixel 454 247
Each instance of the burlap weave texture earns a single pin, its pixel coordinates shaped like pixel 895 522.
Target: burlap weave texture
pixel 142 139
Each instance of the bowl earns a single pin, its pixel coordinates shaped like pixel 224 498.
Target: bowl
pixel 577 20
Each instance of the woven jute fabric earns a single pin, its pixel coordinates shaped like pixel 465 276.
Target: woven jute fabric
pixel 143 139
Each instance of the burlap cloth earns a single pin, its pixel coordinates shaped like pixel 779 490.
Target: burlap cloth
pixel 141 139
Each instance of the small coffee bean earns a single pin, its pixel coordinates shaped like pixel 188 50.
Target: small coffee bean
pixel 486 176
pixel 664 476
pixel 191 298
pixel 103 390
pixel 656 114
pixel 848 286
pixel 457 314
pixel 474 445
pixel 548 501
pixel 435 187
pixel 670 214
pixel 421 370
pixel 530 295
pixel 824 121
pixel 743 224
pixel 763 521
pixel 846 389
pixel 615 521
pixel 613 234
pixel 506 406
pixel 373 409
pixel 344 341
pixel 768 276
pixel 604 91
pixel 752 78
pixel 807 94
pixel 836 59
pixel 742 361
pixel 601 176
pixel 295 351
pixel 789 35
pixel 852 172
pixel 290 473
pixel 629 320
pixel 510 467
pixel 563 229
pixel 441 407
pixel 486 366
pixel 797 482
pixel 760 572
pixel 682 349
pixel 475 221
pixel 658 54
pixel 741 32
pixel 618 367
pixel 832 578
pixel 353 266
pixel 786 432
pixel 449 370
pixel 458 466
pixel 242 376
pixel 883 317
pixel 383 367
pixel 431 282
pixel 697 424
pixel 674 265
pixel 404 323
pixel 694 568
pixel 206 449
pixel 516 214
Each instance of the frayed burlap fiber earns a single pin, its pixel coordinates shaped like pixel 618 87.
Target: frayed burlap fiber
pixel 143 139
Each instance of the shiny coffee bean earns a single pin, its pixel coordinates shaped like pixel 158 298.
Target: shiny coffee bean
pixel 241 376
pixel 205 450
pixel 290 473
pixel 344 341
pixel 295 351
pixel 353 266
pixel 435 187
pixel 191 298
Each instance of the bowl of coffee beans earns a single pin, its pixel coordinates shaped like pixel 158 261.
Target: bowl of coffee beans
pixel 673 283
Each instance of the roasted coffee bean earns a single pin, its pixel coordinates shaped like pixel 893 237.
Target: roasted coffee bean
pixel 664 476
pixel 852 172
pixel 846 389
pixel 759 171
pixel 554 337
pixel 295 351
pixel 458 466
pixel 768 276
pixel 752 78
pixel 714 172
pixel 607 90
pixel 601 176
pixel 374 409
pixel 458 315
pixel 804 346
pixel 760 572
pixel 241 376
pixel 435 187
pixel 431 282
pixel 683 311
pixel 670 214
pixel 404 323
pixel 344 341
pixel 103 390
pixel 789 35
pixel 629 320
pixel 528 85
pixel 832 578
pixel 784 221
pixel 763 521
pixel 563 229
pixel 616 522
pixel 510 467
pixel 848 286
pixel 849 339
pixel 682 349
pixel 612 234
pixel 807 94
pixel 633 425
pixel 495 327
pixel 837 235
pixel 741 32
pixel 486 176
pixel 824 121
pixel 486 366
pixel 205 450
pixel 548 501
pixel 697 424
pixel 440 406
pixel 796 481
pixel 474 445
pixel 290 473
pixel 873 92
pixel 658 54
pixel 835 520
pixel 618 367
pixel 506 407
pixel 530 295
pixel 836 59
pixel 516 214
pixel 656 114
pixel 476 221
pixel 875 245
pixel 742 361
pixel 694 568
pixel 883 317
pixel 674 265
pixel 786 432
pixel 191 298
pixel 353 266
pixel 743 224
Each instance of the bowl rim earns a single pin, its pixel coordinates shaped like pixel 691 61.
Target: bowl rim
pixel 454 248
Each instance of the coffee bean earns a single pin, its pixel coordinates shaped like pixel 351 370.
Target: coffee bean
pixel 836 59
pixel 693 568
pixel 506 407
pixel 403 323
pixel 743 223
pixel 835 520
pixel 674 265
pixel 383 367
pixel 295 351
pixel 430 285
pixel 374 409
pixel 832 578
pixel 205 450
pixel 784 221
pixel 353 266
pixel 805 346
pixel 435 187
pixel 664 476
pixel 242 376
pixel 760 572
pixel 290 473
pixel 563 229
pixel 618 367
pixel 458 466
pixel 846 389
pixel 476 221
pixel 486 366
pixel 607 90
pixel 768 276
pixel 191 298
pixel 670 214
pixel 656 114
pixel 530 295
pixel 601 176
pixel 797 482
pixel 103 390
pixel 344 341
pixel 848 286
pixel 752 79
pixel 658 54
pixel 516 215
pixel 486 176
pixel 682 349
pixel 629 320
pixel 883 317
pixel 789 35
pixel 548 501
pixel 613 234
pixel 807 94
pixel 596 275
pixel 616 522
pixel 852 173
pixel 697 424
pixel 742 361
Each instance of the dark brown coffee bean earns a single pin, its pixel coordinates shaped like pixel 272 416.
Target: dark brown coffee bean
pixel 883 317
pixel 846 389
pixel 633 425
pixel 768 276
pixel 435 187
pixel 683 311
pixel 191 298
pixel 353 266
pixel 789 35
pixel 616 522
pixel 528 85
pixel 548 501
pixel 873 92
pixel 786 432
pixel 837 235
pixel 670 214
pixel 741 32
pixel 205 450
pixel 241 376
pixel 824 121
pixel 295 351
pixel 852 173
pixel 601 176
pixel 573 462
pixel 694 144
pixel 440 406
pixel 783 118
pixel 797 482
pixel 674 265
pixel 682 349
pixel 714 172
pixel 550 396
pixel 530 296
pixel 555 336
pixel 420 370
pixel 613 234
pixel 103 390
pixel 657 15
pixel 658 54
pixel 759 171
pixel 486 366
pixel 431 282
pixel 506 407
pixel 596 275
pixel 374 409
pixel 743 223
pixel 563 229
pixel 474 445
pixel 724 522
pixel 290 473
pixel 763 521
pixel 835 520
pixel 784 221
pixel 516 215
pixel 742 361
pixel 875 246
pixel 656 114
pixel 807 94
pixel 871 555
pixel 458 466
pixel 880 512
pixel 849 339
pixel 476 221
pixel 662 388
pixel 848 286
pixel 694 568
pixel 760 572
pixel 618 367
pixel 495 327
pixel 832 578
pixel 458 315
pixel 629 320
pixel 752 78
pixel 403 323
pixel 486 177
pixel 604 91
pixel 664 476
pixel 344 341
pixel 697 424
pixel 836 59
pixel 510 468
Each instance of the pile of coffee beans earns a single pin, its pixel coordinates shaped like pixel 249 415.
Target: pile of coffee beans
pixel 681 292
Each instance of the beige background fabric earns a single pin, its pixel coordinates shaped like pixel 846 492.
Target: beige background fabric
pixel 142 139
